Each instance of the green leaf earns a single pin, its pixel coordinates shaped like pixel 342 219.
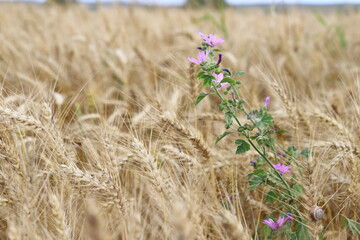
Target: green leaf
pixel 271 197
pixel 265 140
pixel 305 152
pixel 265 231
pixel 351 225
pixel 256 178
pixel 297 190
pixel 228 119
pixel 221 136
pixel 291 151
pixel 275 180
pixel 320 18
pixel 341 35
pixel 259 172
pixel 301 231
pixel 281 131
pixel 255 181
pixel 260 161
pixel 200 97
pixel 242 146
pixel 217 50
pixel 239 73
pixel 207 80
pixel 266 120
pixel 292 236
pixel 200 74
pixel 221 107
pixel 228 80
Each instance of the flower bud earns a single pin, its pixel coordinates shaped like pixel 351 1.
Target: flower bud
pixel 220 58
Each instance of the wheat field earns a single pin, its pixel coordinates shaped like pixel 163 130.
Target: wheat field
pixel 100 137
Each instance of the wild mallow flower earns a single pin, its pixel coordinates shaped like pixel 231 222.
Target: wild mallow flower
pixel 279 223
pixel 220 77
pixel 267 101
pixel 211 39
pixel 282 168
pixel 201 57
pixel 253 163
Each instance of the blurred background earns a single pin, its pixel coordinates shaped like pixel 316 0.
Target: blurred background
pixel 205 2
pixel 100 138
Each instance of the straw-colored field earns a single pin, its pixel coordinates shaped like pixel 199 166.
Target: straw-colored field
pixel 100 138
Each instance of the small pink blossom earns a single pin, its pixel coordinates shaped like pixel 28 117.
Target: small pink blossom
pixel 220 77
pixel 201 57
pixel 267 101
pixel 211 39
pixel 282 168
pixel 279 223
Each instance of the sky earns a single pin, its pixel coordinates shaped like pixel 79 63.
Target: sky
pixel 235 2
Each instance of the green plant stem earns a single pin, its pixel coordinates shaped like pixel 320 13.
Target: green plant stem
pixel 242 107
pixel 291 158
pixel 252 144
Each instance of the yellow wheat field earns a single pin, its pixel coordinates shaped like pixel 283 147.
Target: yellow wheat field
pixel 100 138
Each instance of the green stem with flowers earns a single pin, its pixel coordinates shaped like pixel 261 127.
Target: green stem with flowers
pixel 249 139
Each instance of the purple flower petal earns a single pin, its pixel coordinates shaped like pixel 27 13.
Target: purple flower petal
pixel 267 101
pixel 289 217
pixel 282 168
pixel 281 154
pixel 220 77
pixel 211 39
pixel 201 57
pixel 193 60
pixel 202 35
pixel 271 223
pixel 279 223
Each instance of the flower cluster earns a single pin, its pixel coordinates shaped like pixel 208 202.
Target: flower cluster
pixel 257 132
pixel 211 40
pixel 279 223
pixel 207 62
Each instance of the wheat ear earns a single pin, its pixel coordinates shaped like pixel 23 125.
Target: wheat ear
pixel 23 119
pixel 195 139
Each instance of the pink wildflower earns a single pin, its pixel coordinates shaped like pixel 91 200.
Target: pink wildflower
pixel 201 57
pixel 211 39
pixel 281 221
pixel 220 77
pixel 282 168
pixel 267 101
